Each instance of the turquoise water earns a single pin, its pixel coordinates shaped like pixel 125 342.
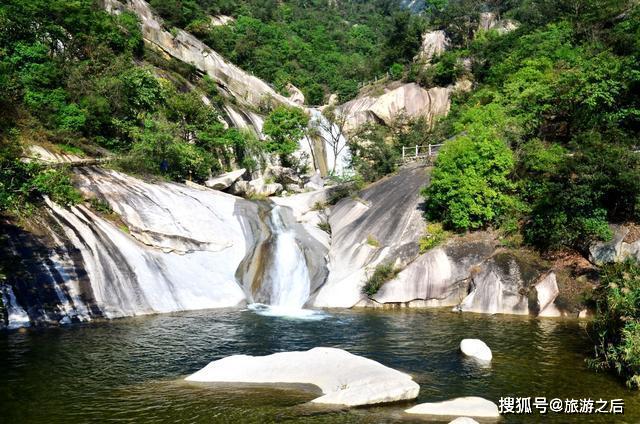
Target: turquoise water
pixel 131 370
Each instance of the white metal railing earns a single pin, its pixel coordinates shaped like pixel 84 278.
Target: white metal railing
pixel 420 152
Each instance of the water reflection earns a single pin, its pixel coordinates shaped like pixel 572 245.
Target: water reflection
pixel 131 370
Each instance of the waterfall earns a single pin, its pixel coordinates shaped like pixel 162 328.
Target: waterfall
pixel 16 315
pixel 285 283
pixel 288 276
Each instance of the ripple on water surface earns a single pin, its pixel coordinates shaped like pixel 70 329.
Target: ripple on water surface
pixel 132 370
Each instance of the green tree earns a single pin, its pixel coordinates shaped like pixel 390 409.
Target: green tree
pixel 470 184
pixel 285 127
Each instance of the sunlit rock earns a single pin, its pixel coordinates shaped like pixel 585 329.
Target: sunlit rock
pixel 476 349
pixel 547 291
pixel 463 420
pixel 224 181
pixel 499 285
pixel 387 212
pixel 344 378
pixel 468 406
pixel 489 20
pixel 434 43
pixel 408 100
pixel 295 95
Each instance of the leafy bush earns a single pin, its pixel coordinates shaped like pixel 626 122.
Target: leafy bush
pixel 285 126
pixel 470 184
pixel 373 155
pixel 372 241
pixel 381 274
pixel 616 327
pixel 435 235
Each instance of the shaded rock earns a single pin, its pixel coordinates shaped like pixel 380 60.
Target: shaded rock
pixel 471 406
pixel 500 286
pixel 239 188
pixel 547 291
pixel 224 181
pixel 282 175
pixel 476 349
pixel 293 188
pixel 344 378
pixel 615 250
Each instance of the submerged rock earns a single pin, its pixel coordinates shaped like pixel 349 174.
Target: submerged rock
pixel 224 181
pixel 344 378
pixel 471 406
pixel 477 349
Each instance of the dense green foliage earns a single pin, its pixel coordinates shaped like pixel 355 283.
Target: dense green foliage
pixel 616 327
pixel 320 46
pixel 23 184
pixel 373 155
pixel 381 274
pixel 284 127
pixel 78 79
pixel 547 140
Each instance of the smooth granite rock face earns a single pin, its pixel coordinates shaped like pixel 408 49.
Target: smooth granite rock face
pixel 224 181
pixel 434 43
pixel 409 100
pixel 476 349
pixel 547 291
pixel 615 250
pixel 463 420
pixel 383 223
pixel 471 406
pixel 344 378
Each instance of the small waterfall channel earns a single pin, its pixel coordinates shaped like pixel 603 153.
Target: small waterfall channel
pixel 283 285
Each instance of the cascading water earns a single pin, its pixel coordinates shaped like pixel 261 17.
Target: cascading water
pixel 287 276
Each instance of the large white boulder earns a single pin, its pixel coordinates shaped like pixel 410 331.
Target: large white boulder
pixel 476 349
pixel 463 420
pixel 547 291
pixel 471 406
pixel 409 100
pixel 344 378
pixel 434 43
pixel 224 181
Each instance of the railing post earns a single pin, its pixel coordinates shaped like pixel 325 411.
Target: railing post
pixel 416 151
pixel 429 149
pixel 403 153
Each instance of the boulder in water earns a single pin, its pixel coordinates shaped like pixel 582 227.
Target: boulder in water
pixel 224 181
pixel 463 420
pixel 476 349
pixel 344 378
pixel 471 406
